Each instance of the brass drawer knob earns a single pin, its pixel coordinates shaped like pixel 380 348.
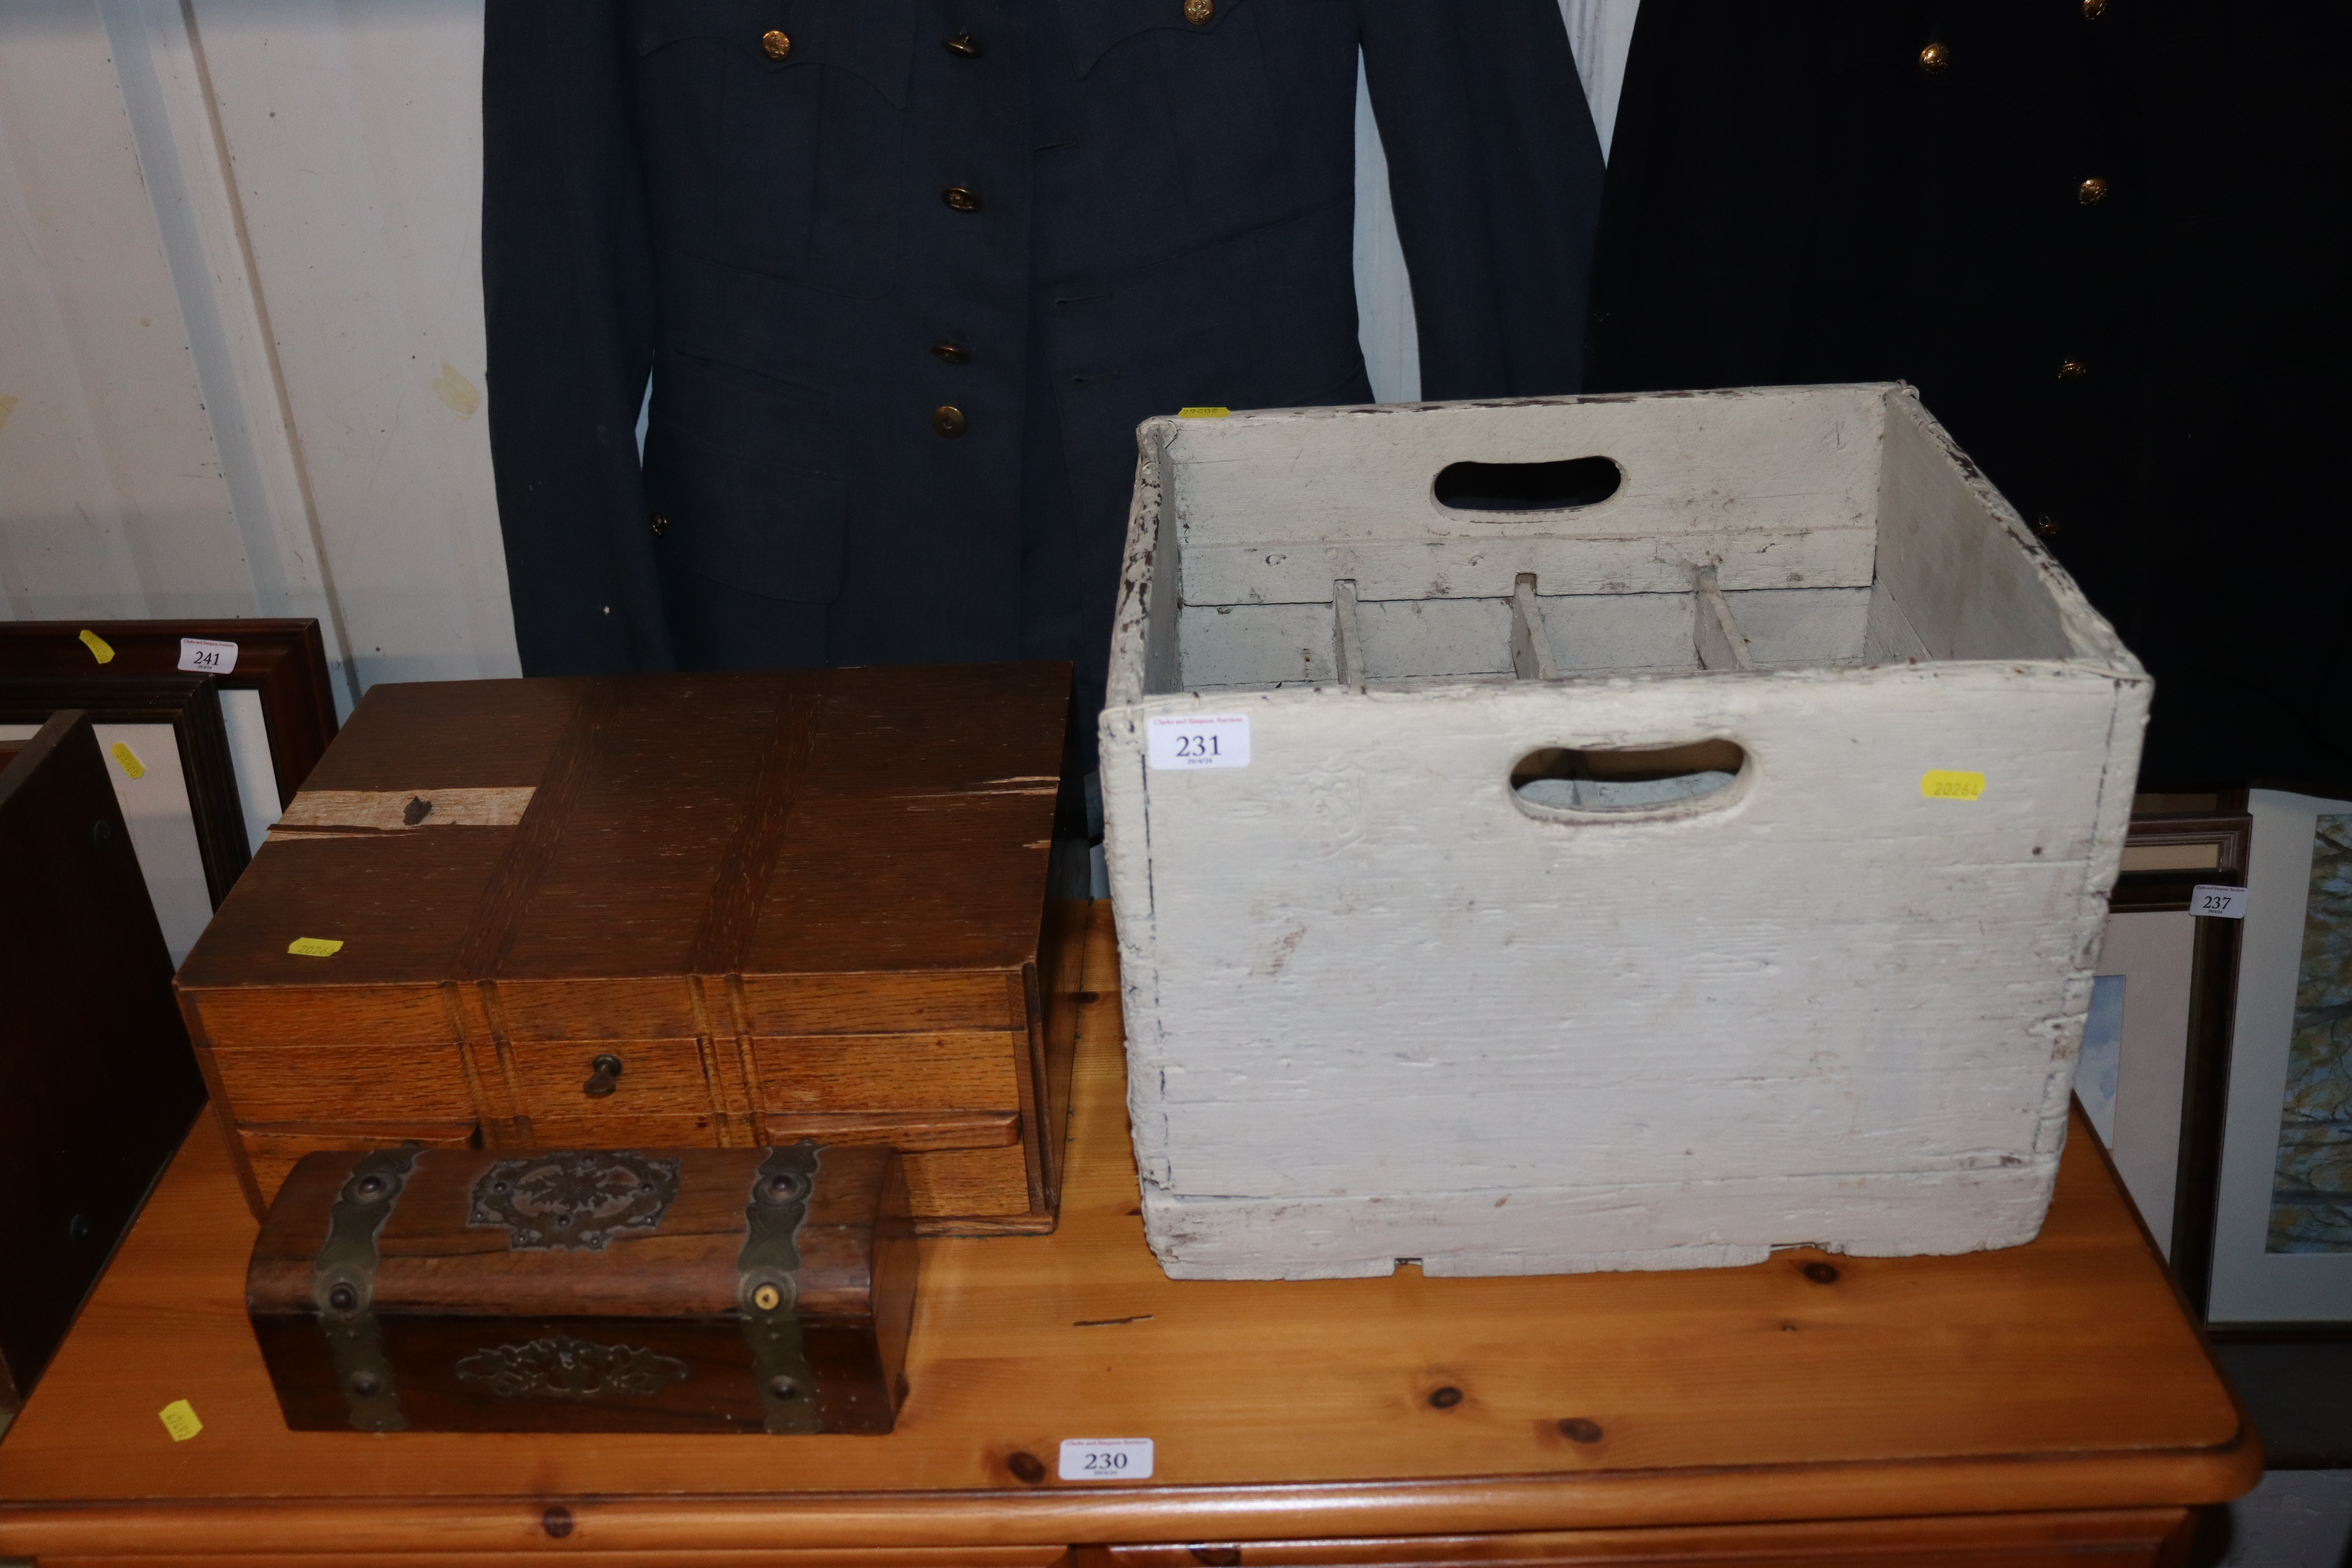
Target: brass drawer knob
pixel 776 45
pixel 604 1077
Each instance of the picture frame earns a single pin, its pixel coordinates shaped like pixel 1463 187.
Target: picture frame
pixel 2179 974
pixel 283 661
pixel 2281 1262
pixel 188 787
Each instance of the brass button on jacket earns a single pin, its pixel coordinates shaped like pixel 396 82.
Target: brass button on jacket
pixel 1936 60
pixel 2094 9
pixel 778 45
pixel 962 44
pixel 1198 12
pixel 661 525
pixel 954 354
pixel 948 419
pixel 961 199
pixel 2091 191
pixel 2073 370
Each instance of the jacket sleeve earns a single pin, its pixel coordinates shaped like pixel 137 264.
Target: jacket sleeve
pixel 567 290
pixel 1495 174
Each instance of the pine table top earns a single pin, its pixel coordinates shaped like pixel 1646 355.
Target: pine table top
pixel 2060 1375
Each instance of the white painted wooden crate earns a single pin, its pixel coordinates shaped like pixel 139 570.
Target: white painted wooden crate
pixel 1381 1004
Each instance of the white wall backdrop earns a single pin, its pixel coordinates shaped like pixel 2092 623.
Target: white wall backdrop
pixel 240 317
pixel 113 496
pixel 240 322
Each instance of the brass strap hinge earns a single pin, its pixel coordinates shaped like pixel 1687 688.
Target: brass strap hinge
pixel 343 1288
pixel 767 1288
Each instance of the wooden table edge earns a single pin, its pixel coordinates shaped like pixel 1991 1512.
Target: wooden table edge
pixel 1068 1516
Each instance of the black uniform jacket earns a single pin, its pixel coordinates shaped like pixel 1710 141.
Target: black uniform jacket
pixel 908 273
pixel 2103 237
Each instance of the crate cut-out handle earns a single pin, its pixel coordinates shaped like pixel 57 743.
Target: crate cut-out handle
pixel 1528 487
pixel 1574 781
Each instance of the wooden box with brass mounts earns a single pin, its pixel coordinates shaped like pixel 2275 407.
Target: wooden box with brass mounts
pixel 724 911
pixel 587 1291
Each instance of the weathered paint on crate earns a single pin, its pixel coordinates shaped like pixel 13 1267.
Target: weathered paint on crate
pixel 1381 1007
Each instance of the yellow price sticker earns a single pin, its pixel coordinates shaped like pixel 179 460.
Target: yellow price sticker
pixel 99 648
pixel 1943 784
pixel 179 1419
pixel 314 947
pixel 1181 414
pixel 129 759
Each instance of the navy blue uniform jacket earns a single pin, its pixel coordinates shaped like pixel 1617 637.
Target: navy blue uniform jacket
pixel 906 273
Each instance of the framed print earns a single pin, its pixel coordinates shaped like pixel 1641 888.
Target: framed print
pixel 2155 1050
pixel 168 759
pixel 275 703
pixel 2282 1228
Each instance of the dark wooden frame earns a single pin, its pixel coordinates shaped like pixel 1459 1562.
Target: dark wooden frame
pixel 2175 822
pixel 101 1084
pixel 191 705
pixel 284 660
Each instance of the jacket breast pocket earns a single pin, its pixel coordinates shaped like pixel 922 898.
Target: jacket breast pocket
pixel 769 130
pixel 1225 119
pixel 745 476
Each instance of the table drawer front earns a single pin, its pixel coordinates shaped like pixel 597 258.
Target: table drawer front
pixel 2120 1538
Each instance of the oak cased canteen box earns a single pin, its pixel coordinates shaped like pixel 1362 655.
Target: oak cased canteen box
pixel 718 910
pixel 689 1291
pixel 1605 833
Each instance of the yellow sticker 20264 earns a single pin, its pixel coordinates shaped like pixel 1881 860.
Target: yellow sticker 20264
pixel 314 947
pixel 179 1419
pixel 99 648
pixel 129 759
pixel 1203 413
pixel 1944 784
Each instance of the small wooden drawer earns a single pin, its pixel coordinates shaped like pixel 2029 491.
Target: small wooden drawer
pixel 964 1069
pixel 939 1129
pixel 655 1078
pixel 957 1182
pixel 615 1128
pixel 320 1017
pixel 856 1004
pixel 349 1083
